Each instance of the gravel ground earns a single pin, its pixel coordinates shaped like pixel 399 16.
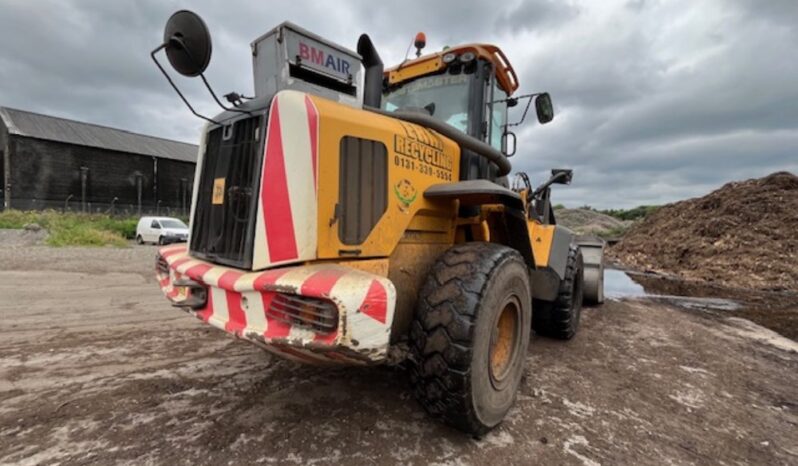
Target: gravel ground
pixel 96 367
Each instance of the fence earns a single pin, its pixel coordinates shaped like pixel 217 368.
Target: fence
pixel 113 207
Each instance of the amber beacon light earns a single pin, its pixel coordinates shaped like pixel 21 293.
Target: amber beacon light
pixel 420 42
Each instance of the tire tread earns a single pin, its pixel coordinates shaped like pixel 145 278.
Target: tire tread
pixel 442 333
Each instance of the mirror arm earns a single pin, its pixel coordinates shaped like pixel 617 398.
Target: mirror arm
pixel 548 183
pixel 213 94
pixel 185 101
pixel 179 42
pixel 529 98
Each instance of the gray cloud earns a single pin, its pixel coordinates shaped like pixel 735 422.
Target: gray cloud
pixel 655 100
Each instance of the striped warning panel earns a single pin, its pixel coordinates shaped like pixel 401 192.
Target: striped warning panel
pixel 238 303
pixel 285 228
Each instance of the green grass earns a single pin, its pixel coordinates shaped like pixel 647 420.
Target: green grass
pixel 635 213
pixel 74 229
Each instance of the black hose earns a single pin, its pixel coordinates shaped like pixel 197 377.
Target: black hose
pixel 465 141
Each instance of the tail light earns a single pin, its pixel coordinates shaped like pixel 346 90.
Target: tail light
pixel 316 314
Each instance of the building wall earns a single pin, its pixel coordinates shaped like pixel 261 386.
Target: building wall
pixel 3 162
pixel 175 181
pixel 45 173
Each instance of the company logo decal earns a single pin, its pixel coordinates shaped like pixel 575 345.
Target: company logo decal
pixel 405 192
pixel 321 58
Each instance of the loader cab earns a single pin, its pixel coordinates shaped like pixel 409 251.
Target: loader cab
pixel 466 87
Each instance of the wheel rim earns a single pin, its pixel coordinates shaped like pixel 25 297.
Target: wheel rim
pixel 504 342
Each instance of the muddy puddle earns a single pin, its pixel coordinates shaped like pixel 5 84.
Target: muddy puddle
pixel 777 311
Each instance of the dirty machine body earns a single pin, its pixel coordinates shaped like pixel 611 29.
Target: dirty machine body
pixel 349 214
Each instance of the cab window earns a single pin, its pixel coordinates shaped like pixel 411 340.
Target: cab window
pixel 443 96
pixel 497 113
pixel 155 225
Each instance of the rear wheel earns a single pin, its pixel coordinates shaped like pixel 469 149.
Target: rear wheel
pixel 139 239
pixel 470 335
pixel 560 318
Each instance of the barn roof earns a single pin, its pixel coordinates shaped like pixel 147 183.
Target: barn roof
pixel 36 125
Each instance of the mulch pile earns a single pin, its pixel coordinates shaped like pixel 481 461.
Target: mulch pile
pixel 744 235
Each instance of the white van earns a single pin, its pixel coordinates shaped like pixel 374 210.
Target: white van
pixel 161 230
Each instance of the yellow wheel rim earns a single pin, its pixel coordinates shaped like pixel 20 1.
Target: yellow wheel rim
pixel 504 342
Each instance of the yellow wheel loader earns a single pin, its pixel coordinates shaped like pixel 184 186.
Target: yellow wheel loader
pixel 351 214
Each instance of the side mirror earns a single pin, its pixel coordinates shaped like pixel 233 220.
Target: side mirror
pixel 562 175
pixel 188 43
pixel 509 149
pixel 544 108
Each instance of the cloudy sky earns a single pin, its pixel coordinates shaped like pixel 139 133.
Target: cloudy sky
pixel 656 100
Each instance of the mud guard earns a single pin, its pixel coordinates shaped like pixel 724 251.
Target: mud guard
pixel 546 278
pixel 512 224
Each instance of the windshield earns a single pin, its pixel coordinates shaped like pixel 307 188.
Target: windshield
pixel 172 223
pixel 444 96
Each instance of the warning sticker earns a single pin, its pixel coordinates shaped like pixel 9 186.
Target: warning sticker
pixel 218 191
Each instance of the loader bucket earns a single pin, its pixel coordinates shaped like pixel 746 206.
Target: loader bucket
pixel 593 255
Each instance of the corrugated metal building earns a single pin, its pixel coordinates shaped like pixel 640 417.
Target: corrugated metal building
pixel 50 162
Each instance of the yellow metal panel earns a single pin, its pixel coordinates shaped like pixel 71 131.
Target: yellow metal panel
pixel 423 221
pixel 541 237
pixel 417 159
pixel 419 69
pixel 374 266
pixel 433 62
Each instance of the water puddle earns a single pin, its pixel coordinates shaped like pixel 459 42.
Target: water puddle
pixel 776 310
pixel 619 284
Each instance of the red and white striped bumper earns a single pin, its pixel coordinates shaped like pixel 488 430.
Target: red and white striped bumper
pixel 237 303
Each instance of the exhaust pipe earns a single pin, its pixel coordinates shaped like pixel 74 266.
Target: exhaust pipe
pixel 372 88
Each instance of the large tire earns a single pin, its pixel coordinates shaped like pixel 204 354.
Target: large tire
pixel 161 241
pixel 470 335
pixel 560 318
pixel 139 239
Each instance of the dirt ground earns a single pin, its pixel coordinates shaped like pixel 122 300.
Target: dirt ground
pixel 96 367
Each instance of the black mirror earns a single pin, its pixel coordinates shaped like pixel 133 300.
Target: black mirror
pixel 544 108
pixel 509 149
pixel 188 43
pixel 562 175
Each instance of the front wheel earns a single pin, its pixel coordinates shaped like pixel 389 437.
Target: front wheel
pixel 560 318
pixel 161 240
pixel 470 335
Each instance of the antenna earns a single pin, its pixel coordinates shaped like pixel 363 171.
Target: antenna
pixel 420 41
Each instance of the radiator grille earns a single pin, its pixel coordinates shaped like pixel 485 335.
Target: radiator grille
pixel 224 221
pixel 363 188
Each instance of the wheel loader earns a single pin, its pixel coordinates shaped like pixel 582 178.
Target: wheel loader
pixel 349 214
